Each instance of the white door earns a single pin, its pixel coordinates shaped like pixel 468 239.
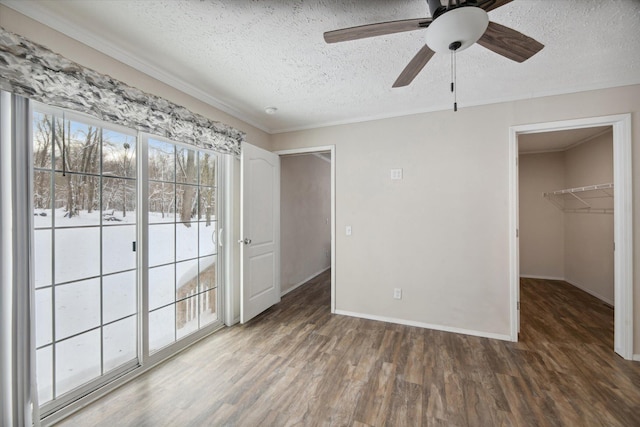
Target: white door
pixel 260 231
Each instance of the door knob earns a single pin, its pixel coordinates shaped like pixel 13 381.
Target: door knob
pixel 246 241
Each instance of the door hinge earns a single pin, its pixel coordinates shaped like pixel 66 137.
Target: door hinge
pixel 517 232
pixel 518 305
pixel 133 246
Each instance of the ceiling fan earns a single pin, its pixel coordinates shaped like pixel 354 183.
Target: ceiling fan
pixel 451 28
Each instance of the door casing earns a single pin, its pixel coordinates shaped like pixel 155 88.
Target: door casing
pixel 623 221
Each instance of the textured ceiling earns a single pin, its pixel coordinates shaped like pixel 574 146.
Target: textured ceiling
pixel 242 55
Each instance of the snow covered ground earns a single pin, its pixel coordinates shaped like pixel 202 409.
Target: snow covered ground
pixel 98 321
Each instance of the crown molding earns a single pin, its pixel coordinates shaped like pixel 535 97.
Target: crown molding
pixel 85 36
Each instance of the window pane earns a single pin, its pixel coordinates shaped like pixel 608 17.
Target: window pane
pixel 207 277
pixel 81 147
pixel 42 258
pixel 161 161
pixel 186 279
pixel 161 328
pixel 186 241
pixel 207 239
pixel 44 374
pixel 77 307
pixel 117 248
pixel 207 306
pixel 161 286
pixel 161 202
pixel 161 244
pixel 186 203
pixel 207 204
pixel 119 341
pixel 118 296
pixel 187 316
pixel 118 201
pixel 42 140
pixel 77 253
pixel 77 361
pixel 42 199
pixel 118 154
pixel 207 169
pixel 187 166
pixel 44 333
pixel 76 200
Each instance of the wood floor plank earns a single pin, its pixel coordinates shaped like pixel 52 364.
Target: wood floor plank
pixel 297 364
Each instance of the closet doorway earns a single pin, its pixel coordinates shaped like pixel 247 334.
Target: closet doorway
pixel 570 209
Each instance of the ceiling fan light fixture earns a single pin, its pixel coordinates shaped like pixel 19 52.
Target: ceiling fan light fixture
pixel 464 24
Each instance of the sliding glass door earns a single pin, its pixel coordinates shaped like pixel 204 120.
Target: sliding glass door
pixel 87 226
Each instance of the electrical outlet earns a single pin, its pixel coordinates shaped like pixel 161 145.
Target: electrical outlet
pixel 396 173
pixel 397 293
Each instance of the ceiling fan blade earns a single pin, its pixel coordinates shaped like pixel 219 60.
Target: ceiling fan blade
pixel 414 67
pixel 494 5
pixel 509 43
pixel 379 29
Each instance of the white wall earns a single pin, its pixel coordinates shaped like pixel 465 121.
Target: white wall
pixel 589 237
pixel 305 218
pixel 542 248
pixel 441 234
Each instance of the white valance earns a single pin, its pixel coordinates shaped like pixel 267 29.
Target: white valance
pixel 35 72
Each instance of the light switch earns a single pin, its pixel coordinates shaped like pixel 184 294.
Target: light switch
pixel 348 230
pixel 396 173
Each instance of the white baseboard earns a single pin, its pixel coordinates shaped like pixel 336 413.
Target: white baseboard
pixel 636 357
pixel 590 292
pixel 297 285
pixel 426 325
pixel 528 276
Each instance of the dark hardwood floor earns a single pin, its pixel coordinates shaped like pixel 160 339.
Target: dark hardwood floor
pixel 297 364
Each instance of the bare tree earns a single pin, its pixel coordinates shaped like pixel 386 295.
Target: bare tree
pixel 188 194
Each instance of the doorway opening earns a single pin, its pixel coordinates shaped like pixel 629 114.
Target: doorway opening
pixel 307 216
pixel 619 187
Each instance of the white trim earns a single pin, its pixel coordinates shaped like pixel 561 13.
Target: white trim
pixel 636 357
pixel 503 337
pixel 589 291
pixel 331 148
pixel 297 285
pixel 623 219
pixel 443 107
pixel 528 276
pixel 514 253
pixel 228 242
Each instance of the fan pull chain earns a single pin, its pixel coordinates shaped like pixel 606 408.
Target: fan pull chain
pixel 453 80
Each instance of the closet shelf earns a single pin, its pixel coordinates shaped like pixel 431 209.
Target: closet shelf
pixel 581 199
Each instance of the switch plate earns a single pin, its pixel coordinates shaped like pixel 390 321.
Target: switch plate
pixel 397 293
pixel 347 230
pixel 396 173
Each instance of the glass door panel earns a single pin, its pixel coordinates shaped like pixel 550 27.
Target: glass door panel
pixel 84 200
